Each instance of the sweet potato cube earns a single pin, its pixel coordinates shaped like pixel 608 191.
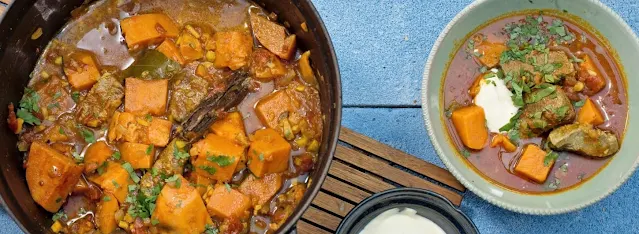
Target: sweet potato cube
pixel 190 47
pixel 159 132
pixel 81 70
pixel 231 127
pixel 226 202
pixel 216 157
pixel 490 53
pixel 146 96
pixel 590 114
pixel 503 141
pixel 146 29
pixel 200 182
pixel 273 36
pixel 50 176
pixel 96 154
pixel 171 51
pixel 470 123
pixel 233 49
pixel 261 190
pixel 130 128
pixel 180 209
pixel 115 180
pixel 270 108
pixel 140 156
pixel 265 66
pixel 531 164
pixel 268 153
pixel 105 213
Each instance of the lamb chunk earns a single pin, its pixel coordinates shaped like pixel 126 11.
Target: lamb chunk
pixel 547 113
pixel 101 101
pixel 563 68
pixel 584 139
pixel 187 91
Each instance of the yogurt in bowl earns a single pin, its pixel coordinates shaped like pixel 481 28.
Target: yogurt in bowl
pixel 405 221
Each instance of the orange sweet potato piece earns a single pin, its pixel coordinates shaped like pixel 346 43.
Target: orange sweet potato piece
pixel 50 176
pixel 171 51
pixel 216 157
pixel 232 128
pixel 131 128
pixel 147 29
pixel 590 114
pixel 268 153
pixel 490 53
pixel 200 182
pixel 265 66
pixel 140 156
pixel 233 49
pixel 531 164
pixel 146 96
pixel 503 141
pixel 96 154
pixel 180 209
pixel 305 68
pixel 81 70
pixel 470 123
pixel 476 86
pixel 105 213
pixel 115 180
pixel 227 202
pixel 261 190
pixel 190 47
pixel 273 36
pixel 270 108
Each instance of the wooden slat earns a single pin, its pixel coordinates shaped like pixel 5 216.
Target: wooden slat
pixel 306 228
pixel 396 175
pixel 399 157
pixel 322 218
pixel 344 190
pixel 2 8
pixel 6 1
pixel 358 178
pixel 332 204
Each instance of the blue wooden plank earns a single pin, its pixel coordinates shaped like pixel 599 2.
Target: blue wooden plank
pixel 382 46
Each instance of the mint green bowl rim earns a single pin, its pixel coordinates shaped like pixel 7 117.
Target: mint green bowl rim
pixel 457 172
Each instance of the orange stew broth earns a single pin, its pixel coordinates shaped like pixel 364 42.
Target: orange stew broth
pixel 496 164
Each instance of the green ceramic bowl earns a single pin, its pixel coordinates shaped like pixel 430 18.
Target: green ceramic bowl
pixel 621 39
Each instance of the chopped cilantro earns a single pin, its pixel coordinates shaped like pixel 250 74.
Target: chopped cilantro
pixel 261 157
pixel 102 168
pixel 228 187
pixel 78 157
pixel 106 198
pixel 539 123
pixel 148 117
pixel 209 169
pixel 154 171
pixel 58 200
pixel 53 106
pixel 88 135
pixel 511 124
pixel 149 149
pixel 59 215
pixel 156 222
pixel 75 96
pixel 115 184
pixel 28 117
pixel 221 160
pixel 209 229
pixel 465 152
pixel 540 94
pixel 177 182
pixel 550 158
pixel 127 166
pixel 61 131
pixel 579 103
pixel 116 155
pixel 561 111
pixel 179 154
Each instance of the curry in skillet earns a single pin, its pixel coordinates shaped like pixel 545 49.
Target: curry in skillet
pixel 535 102
pixel 170 117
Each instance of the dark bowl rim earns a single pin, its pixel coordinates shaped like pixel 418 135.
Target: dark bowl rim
pixel 350 220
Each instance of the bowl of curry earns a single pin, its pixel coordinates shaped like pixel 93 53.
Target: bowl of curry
pixel 140 116
pixel 527 102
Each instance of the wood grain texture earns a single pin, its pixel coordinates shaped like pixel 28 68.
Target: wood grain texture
pixel 2 8
pixel 391 154
pixel 320 217
pixel 344 190
pixel 332 204
pixel 6 2
pixel 306 228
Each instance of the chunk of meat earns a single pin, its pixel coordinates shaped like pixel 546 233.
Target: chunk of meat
pixel 146 96
pixel 233 49
pixel 101 101
pixel 128 127
pixel 490 53
pixel 545 114
pixel 81 69
pixel 226 202
pixel 180 209
pixel 265 66
pixel 584 139
pixel 50 176
pixel 187 91
pixel 273 36
pixel 216 157
pixel 556 63
pixel 533 164
pixel 53 99
pixel 268 153
pixel 261 190
pixel 590 114
pixel 147 29
pixel 470 123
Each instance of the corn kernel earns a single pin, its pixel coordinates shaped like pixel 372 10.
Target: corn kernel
pixel 123 225
pixel 56 227
pixel 578 86
pixel 210 56
pixel 180 144
pixel 193 32
pixel 295 129
pixel 300 88
pixel 128 218
pixel 58 61
pixel 142 122
pixel 302 141
pixel 201 71
pixel 314 146
pixel 45 75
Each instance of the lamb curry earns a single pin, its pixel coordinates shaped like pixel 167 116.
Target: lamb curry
pixel 535 102
pixel 170 117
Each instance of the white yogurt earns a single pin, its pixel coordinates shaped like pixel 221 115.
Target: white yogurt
pixel 497 102
pixel 406 221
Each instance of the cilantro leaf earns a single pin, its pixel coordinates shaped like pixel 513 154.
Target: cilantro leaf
pixel 127 166
pixel 177 182
pixel 540 94
pixel 209 169
pixel 550 158
pixel 60 215
pixel 511 124
pixel 580 103
pixel 116 155
pixel 28 117
pixel 221 160
pixel 179 154
pixel 87 135
pixel 149 149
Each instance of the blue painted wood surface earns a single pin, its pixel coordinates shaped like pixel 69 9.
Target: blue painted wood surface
pixel 382 47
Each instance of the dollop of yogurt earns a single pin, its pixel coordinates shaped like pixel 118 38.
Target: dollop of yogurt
pixel 404 221
pixel 496 100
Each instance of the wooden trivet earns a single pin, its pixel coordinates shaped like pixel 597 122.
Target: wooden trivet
pixel 362 167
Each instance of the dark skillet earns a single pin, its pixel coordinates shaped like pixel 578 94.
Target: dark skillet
pixel 18 55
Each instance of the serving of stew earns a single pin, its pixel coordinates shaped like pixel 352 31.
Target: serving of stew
pixel 535 102
pixel 170 117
